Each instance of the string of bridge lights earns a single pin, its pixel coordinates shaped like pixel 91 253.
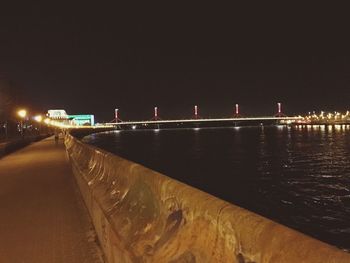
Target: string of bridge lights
pixel 196 113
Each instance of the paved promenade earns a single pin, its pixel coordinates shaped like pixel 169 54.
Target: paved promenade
pixel 42 215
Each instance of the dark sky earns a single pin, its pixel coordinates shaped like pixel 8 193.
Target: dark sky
pixel 95 58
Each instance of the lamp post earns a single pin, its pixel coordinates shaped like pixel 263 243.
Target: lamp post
pixel 22 114
pixel 39 119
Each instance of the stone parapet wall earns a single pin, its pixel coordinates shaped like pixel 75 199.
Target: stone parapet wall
pixel 143 216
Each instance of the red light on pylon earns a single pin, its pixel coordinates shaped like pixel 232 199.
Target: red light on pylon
pixel 236 113
pixel 116 115
pixel 279 110
pixel 196 111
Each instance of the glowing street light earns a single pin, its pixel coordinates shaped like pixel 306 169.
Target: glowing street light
pixel 22 113
pixel 38 118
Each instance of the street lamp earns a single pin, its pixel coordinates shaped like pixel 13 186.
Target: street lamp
pixel 22 114
pixel 38 118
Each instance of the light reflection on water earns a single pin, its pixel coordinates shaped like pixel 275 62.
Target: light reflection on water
pixel 299 176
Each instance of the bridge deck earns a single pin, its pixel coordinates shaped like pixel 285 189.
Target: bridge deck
pixel 42 216
pixel 207 120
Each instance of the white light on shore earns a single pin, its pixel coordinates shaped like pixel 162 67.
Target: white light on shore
pixel 38 118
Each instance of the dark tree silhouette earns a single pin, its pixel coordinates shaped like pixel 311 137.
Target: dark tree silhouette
pixel 8 102
pixel 8 98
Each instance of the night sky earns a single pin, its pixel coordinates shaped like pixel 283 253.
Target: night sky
pixel 95 58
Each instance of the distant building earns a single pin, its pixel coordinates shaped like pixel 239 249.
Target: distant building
pixel 57 114
pixel 85 119
pixel 76 119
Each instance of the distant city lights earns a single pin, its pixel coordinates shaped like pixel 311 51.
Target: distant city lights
pixel 326 117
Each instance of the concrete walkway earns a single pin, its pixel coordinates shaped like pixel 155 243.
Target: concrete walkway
pixel 42 215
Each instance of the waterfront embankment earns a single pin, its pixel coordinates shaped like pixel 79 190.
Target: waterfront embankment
pixel 143 216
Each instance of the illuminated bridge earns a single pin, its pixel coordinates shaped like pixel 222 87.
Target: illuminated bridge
pixel 281 120
pixel 196 120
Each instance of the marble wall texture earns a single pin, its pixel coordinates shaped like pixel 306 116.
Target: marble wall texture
pixel 143 216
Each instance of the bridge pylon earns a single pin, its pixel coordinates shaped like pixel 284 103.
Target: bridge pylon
pixel 116 116
pixel 236 112
pixel 155 116
pixel 279 110
pixel 195 112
